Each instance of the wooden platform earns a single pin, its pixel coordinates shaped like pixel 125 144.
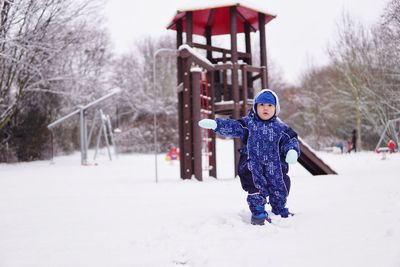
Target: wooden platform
pixel 226 107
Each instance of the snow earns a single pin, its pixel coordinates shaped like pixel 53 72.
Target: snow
pixel 114 214
pixel 196 53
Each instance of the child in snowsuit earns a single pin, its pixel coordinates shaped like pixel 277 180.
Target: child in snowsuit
pixel 391 146
pixel 269 145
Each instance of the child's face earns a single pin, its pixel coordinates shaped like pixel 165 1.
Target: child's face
pixel 265 111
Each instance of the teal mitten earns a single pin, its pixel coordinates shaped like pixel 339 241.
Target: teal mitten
pixel 208 124
pixel 291 156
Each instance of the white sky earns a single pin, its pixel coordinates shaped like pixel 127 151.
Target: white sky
pixel 297 37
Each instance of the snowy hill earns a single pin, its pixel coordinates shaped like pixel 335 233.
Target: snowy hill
pixel 114 214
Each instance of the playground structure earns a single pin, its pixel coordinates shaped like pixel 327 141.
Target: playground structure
pixel 105 128
pixel 220 83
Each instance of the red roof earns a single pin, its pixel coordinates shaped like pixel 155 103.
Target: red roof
pixel 218 18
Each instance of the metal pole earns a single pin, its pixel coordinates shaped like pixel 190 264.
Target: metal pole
pixel 382 136
pixel 104 127
pixel 155 114
pixel 52 147
pixel 110 131
pixel 98 140
pixel 96 115
pixel 83 137
pixel 155 105
pixel 114 91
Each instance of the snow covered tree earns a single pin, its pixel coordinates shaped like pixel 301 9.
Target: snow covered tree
pixel 351 57
pixel 45 66
pixel 387 55
pixel 359 87
pixel 317 114
pixel 141 98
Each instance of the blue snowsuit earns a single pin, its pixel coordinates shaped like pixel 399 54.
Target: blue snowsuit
pixel 262 167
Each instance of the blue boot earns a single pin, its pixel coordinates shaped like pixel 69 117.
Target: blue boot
pixel 259 215
pixel 284 212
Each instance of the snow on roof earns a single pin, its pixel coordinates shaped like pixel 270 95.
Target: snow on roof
pixel 195 69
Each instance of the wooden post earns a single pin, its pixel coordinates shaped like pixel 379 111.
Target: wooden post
pixel 208 42
pixel 189 28
pixel 263 45
pixel 196 106
pixel 245 90
pixel 187 121
pixel 186 134
pixel 235 79
pixel 247 41
pixel 179 63
pixel 179 42
pixel 264 78
pixel 212 157
pixel 225 91
pixel 248 60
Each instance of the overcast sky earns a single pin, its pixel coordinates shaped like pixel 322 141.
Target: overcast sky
pixel 299 35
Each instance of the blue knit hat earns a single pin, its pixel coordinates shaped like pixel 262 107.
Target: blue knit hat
pixel 266 98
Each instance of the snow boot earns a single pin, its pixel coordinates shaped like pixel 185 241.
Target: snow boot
pixel 284 213
pixel 259 216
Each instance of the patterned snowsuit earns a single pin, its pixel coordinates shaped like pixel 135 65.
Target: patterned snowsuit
pixel 262 167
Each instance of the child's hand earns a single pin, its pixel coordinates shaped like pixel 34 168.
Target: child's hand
pixel 291 156
pixel 208 124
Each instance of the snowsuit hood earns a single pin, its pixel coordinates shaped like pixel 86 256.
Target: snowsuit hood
pixel 277 106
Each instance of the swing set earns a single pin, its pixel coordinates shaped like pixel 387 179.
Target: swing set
pixel 104 127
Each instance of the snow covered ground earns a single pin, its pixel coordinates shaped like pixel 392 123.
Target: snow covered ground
pixel 115 215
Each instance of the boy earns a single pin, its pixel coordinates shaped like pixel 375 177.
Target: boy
pixel 269 145
pixel 391 146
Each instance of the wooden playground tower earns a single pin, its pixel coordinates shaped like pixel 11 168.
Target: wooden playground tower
pixel 220 82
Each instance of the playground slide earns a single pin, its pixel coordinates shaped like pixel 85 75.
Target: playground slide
pixel 311 162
